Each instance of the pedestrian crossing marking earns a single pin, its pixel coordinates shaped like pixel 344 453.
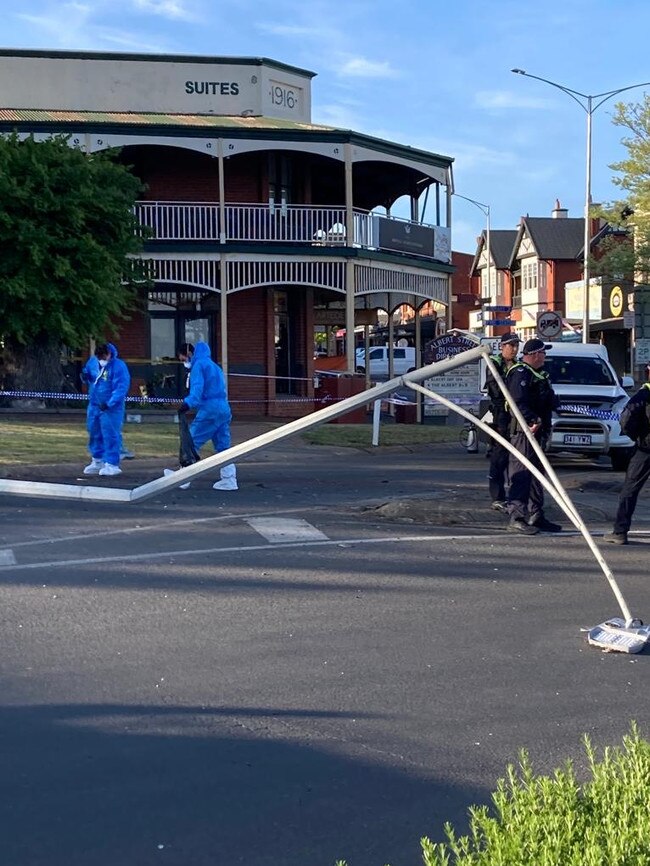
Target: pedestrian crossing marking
pixel 7 557
pixel 279 530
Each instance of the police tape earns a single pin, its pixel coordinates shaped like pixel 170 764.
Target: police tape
pixel 600 414
pixel 567 408
pixel 144 400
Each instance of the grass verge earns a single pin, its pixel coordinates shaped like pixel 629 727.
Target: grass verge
pixel 63 442
pixel 360 435
pixel 46 441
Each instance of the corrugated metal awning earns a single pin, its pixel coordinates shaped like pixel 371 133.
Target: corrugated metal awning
pixel 37 115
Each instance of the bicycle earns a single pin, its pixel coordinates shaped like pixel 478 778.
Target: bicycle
pixel 468 437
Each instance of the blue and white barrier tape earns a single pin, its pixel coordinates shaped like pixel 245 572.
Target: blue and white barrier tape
pixel 600 414
pixel 574 409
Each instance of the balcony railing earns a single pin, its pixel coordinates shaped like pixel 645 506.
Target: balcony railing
pixel 296 224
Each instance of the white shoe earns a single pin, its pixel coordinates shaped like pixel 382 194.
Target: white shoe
pixel 109 469
pixel 226 484
pixel 94 467
pixel 168 472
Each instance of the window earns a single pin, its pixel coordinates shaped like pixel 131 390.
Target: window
pixel 578 371
pixel 529 275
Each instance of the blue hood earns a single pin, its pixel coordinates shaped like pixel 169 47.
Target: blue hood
pixel 201 350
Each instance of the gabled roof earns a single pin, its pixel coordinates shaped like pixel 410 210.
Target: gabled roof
pixel 552 238
pixel 502 243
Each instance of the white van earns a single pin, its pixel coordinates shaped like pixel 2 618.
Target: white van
pixel 403 361
pixel 589 392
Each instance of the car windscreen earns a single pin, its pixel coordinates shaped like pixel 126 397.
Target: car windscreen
pixel 572 370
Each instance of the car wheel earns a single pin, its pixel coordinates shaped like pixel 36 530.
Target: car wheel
pixel 361 370
pixel 620 458
pixel 410 369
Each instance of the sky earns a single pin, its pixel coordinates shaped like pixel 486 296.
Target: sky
pixel 426 73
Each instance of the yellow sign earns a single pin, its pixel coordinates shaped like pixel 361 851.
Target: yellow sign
pixel 616 301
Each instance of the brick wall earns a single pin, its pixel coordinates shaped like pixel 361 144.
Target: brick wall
pixel 173 174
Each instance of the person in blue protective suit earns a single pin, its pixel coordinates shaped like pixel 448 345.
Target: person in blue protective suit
pixel 89 373
pixel 106 412
pixel 207 396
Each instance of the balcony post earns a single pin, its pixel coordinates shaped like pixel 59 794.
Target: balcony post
pixel 449 194
pixel 350 348
pixel 223 312
pixel 222 192
pixel 349 265
pixel 418 355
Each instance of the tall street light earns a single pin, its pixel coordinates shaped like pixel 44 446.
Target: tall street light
pixel 485 208
pixel 586 102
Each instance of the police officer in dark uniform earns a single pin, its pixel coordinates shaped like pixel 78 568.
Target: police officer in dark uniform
pixel 638 470
pixel 531 390
pixel 499 456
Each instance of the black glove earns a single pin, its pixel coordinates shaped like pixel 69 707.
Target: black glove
pixel 103 406
pixel 184 408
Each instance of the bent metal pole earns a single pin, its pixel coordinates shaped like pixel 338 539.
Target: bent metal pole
pixel 189 473
pixel 553 486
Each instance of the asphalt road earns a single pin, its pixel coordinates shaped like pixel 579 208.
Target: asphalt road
pixel 330 662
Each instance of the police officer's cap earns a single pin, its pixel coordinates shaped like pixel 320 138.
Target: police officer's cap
pixel 509 339
pixel 535 345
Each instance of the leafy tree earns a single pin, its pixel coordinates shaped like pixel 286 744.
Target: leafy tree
pixel 632 211
pixel 66 229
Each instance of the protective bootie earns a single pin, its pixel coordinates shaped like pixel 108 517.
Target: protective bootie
pixel 109 469
pixel 94 467
pixel 228 478
pixel 168 472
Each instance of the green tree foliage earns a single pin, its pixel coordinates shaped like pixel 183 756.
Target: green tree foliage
pixel 632 211
pixel 66 229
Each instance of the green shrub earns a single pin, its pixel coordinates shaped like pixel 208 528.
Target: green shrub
pixel 557 821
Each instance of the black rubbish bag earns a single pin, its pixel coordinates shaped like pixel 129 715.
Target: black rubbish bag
pixel 187 453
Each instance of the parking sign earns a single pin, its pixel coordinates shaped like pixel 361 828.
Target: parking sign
pixel 549 324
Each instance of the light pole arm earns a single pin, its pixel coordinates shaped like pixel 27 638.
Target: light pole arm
pixel 611 93
pixel 574 94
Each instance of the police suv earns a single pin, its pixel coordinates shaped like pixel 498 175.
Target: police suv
pixel 591 399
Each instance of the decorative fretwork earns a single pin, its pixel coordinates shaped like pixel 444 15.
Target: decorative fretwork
pixel 250 273
pixel 200 273
pixel 369 279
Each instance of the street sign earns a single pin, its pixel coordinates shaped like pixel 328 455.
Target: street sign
pixel 549 324
pixel 499 322
pixel 642 351
pixel 492 309
pixel 628 318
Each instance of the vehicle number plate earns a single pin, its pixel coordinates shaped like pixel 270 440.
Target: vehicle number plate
pixel 577 439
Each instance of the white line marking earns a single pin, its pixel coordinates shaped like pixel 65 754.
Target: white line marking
pixel 7 557
pixel 187 521
pixel 142 557
pixel 283 529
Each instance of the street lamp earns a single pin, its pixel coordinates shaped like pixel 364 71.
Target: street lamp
pixel 485 208
pixel 589 108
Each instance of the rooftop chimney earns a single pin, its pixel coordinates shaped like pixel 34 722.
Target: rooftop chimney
pixel 559 212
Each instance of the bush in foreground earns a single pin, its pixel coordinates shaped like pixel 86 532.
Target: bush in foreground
pixel 557 821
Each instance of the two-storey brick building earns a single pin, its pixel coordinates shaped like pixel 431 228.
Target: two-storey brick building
pixel 264 229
